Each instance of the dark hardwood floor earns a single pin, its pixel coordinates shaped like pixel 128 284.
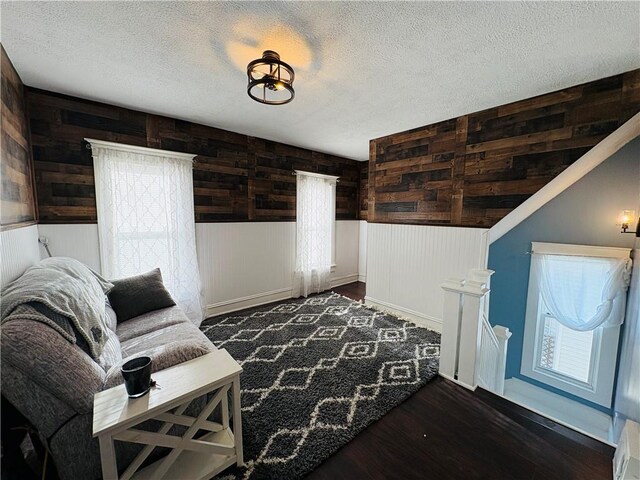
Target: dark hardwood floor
pixel 447 432
pixel 354 291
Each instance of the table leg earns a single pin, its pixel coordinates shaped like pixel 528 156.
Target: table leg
pixel 225 411
pixel 237 421
pixel 108 458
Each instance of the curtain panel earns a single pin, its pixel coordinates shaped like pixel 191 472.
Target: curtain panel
pixel 315 208
pixel 583 293
pixel 146 219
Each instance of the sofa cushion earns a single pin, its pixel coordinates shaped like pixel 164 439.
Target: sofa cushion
pixel 111 319
pixel 112 351
pixel 150 322
pixel 180 332
pixel 167 347
pixel 134 296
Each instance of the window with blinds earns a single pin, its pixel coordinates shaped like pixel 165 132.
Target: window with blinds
pixel 575 306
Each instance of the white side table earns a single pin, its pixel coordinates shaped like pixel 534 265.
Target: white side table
pixel 115 417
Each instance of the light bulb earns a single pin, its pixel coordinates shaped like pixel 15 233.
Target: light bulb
pixel 626 216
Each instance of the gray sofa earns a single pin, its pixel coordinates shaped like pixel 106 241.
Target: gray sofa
pixel 52 381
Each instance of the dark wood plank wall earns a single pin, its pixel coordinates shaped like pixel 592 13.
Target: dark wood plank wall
pixel 17 204
pixel 472 170
pixel 364 191
pixel 236 177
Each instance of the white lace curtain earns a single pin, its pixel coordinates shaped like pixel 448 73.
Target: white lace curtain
pixel 146 218
pixel 315 211
pixel 583 293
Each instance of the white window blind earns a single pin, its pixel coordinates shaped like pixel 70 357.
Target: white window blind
pixel 575 306
pixel 566 351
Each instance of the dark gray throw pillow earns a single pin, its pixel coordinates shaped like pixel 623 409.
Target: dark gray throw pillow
pixel 133 296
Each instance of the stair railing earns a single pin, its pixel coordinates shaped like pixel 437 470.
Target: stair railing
pixel 472 352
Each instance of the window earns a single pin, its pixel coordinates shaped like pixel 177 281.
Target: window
pixel 315 232
pixel 575 306
pixel 564 351
pixel 144 200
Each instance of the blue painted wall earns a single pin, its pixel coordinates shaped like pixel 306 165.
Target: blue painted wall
pixel 584 214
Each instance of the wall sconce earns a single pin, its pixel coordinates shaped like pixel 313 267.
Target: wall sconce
pixel 625 218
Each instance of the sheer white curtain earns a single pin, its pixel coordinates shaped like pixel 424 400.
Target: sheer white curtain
pixel 315 212
pixel 583 293
pixel 146 220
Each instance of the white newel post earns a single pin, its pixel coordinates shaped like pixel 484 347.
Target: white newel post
pixel 452 314
pixel 503 334
pixel 470 329
pixel 461 327
pixel 483 276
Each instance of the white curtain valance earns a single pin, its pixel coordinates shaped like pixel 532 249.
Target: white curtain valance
pixel 329 178
pixel 134 149
pixel 146 219
pixel 583 293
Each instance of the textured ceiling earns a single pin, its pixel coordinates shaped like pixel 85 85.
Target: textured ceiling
pixel 363 70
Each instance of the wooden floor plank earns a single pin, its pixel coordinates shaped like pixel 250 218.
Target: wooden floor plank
pixel 447 432
pixel 354 291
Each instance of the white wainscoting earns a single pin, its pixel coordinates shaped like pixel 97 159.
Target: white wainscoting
pixel 245 264
pixel 347 252
pixel 18 251
pixel 362 252
pixel 256 262
pixel 241 264
pixel 407 263
pixel 75 241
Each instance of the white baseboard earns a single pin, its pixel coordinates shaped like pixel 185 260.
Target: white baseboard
pixel 362 278
pixel 417 317
pixel 256 300
pixel 581 418
pixel 343 280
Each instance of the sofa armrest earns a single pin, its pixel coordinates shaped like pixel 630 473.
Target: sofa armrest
pixel 41 354
pixel 162 357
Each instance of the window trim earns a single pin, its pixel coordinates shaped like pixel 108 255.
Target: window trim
pixel 599 388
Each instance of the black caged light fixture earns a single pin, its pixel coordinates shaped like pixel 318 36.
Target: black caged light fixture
pixel 270 79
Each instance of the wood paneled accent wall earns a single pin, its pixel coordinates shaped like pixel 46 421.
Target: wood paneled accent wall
pixel 472 170
pixel 236 177
pixel 364 191
pixel 17 200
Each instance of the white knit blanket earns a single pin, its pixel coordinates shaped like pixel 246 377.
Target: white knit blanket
pixel 69 289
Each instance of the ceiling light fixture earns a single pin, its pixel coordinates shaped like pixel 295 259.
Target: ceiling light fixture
pixel 270 79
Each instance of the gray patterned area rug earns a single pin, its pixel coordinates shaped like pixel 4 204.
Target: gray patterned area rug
pixel 317 371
